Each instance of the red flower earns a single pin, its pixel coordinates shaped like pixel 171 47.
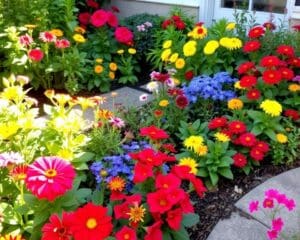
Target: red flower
pixel 158 113
pixel 169 181
pixel 124 35
pixel 268 203
pixel 174 218
pixel 112 19
pixel 180 25
pixel 91 222
pixel 169 147
pixel 217 123
pixel 99 18
pixel 262 146
pixel 176 18
pixel 151 157
pixel 296 27
pixel 62 43
pixel 256 154
pixel 239 160
pixel 245 67
pixel 286 50
pixel 198 185
pixel 271 76
pixel 181 101
pixel 189 75
pixel 84 18
pixel 56 228
pixel 270 61
pixel 253 94
pixel 126 233
pixel 154 232
pixel 291 113
pixel 182 172
pixel 122 210
pixel 247 139
pixel 25 40
pixel 175 91
pixel 36 55
pixel 166 23
pixel 286 73
pixel 160 201
pixel 251 46
pixel 248 81
pixel 92 4
pixel 142 172
pixel 256 32
pixel 186 205
pixel 237 127
pixel 154 133
pixel 47 37
pixel 294 61
pixel 269 25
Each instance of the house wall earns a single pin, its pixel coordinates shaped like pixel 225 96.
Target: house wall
pixel 131 7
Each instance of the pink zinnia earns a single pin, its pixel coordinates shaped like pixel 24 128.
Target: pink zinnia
pixel 116 122
pixel 26 40
pixel 124 35
pixel 62 43
pixel 49 177
pixel 99 18
pixel 36 55
pixel 112 19
pixel 253 206
pixel 47 37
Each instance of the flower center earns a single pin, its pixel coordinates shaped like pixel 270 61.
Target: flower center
pixel 126 236
pixel 165 185
pixel 238 126
pixel 51 173
pixel 162 202
pixel 61 231
pixel 248 139
pixel 91 223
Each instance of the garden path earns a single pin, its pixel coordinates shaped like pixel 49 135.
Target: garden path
pixel 242 225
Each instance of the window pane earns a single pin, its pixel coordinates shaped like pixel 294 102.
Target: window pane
pixel 275 6
pixel 297 3
pixel 235 4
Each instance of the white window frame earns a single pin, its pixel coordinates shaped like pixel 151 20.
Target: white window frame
pixel 295 10
pixel 189 3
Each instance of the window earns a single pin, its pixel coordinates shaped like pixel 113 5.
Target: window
pixel 191 3
pixel 297 3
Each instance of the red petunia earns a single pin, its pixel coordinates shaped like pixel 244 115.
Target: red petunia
pixel 217 123
pixel 248 81
pixel 286 73
pixel 126 233
pixel 247 139
pixel 256 32
pixel 270 61
pixel 189 75
pixel 142 172
pixel 245 67
pixel 291 113
pixel 153 132
pixel 251 46
pixel 271 77
pixel 239 160
pixel 84 18
pixel 160 201
pixel 124 35
pixel 256 154
pixel 168 181
pixel 181 101
pixel 285 50
pixel 99 18
pixel 198 185
pixel 182 172
pixel 253 94
pixel 174 218
pixel 154 231
pixel 186 204
pixel 262 146
pixel 237 127
pixel 36 55
pixel 91 222
pixel 112 19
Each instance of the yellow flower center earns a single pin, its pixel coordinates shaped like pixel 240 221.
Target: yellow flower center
pixel 136 213
pixel 51 173
pixel 162 202
pixel 91 223
pixel 126 236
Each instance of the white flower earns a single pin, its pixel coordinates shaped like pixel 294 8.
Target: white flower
pixel 144 97
pixel 152 86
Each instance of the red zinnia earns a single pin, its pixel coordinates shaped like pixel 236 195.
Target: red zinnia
pixel 294 61
pixel 248 81
pixel 126 233
pixel 286 73
pixel 262 146
pixel 158 113
pixel 256 154
pixel 239 160
pixel 245 67
pixel 112 19
pixel 174 218
pixel 189 75
pixel 251 46
pixel 181 101
pixel 253 94
pixel 286 50
pixel 291 113
pixel 91 222
pixel 36 55
pixel 175 91
pixel 123 35
pixel 99 18
pixel 270 61
pixel 25 40
pixel 271 76
pixel 217 123
pixel 180 25
pixel 247 139
pixel 256 32
pixel 84 18
pixel 237 127
pixel 166 23
pixel 154 133
pixel 49 177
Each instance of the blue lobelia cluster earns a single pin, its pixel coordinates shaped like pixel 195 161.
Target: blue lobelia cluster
pixel 210 88
pixel 118 165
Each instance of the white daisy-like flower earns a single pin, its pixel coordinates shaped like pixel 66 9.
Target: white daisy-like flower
pixel 152 86
pixel 144 97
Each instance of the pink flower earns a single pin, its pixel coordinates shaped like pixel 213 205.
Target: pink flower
pixel 271 193
pixel 116 122
pixel 268 203
pixel 272 234
pixel 36 55
pixel 290 204
pixel 47 37
pixel 253 206
pixel 25 40
pixel 124 35
pixel 62 43
pixel 112 19
pixel 277 224
pixel 99 18
pixel 84 18
pixel 49 177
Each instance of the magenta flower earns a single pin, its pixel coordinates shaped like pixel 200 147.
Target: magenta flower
pixel 116 122
pixel 253 206
pixel 62 43
pixel 26 40
pixel 290 204
pixel 49 177
pixel 268 203
pixel 271 193
pixel 277 224
pixel 47 37
pixel 272 234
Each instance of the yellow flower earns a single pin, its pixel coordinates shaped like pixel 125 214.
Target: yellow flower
pixel 30 26
pixel 117 184
pixel 111 75
pixel 281 138
pixel 231 43
pixel 79 38
pixel 11 237
pixel 201 150
pixel 65 154
pixel 120 51
pixel 237 85
pixel 136 213
pixel 104 114
pixel 49 93
pixel 79 30
pixel 98 69
pixel 193 142
pixel 174 57
pixel 13 93
pixel 235 104
pixel 8 129
pixel 271 107
pixel 85 102
pixel 176 81
pixel 190 48
pixel 132 51
pixel 230 26
pixel 163 103
pixel 294 87
pixel 210 47
pixel 180 63
pixel 221 137
pixel 190 162
pixel 165 54
pixel 113 66
pixel 62 99
pixel 99 60
pixel 167 44
pixel 57 32
pixel 198 32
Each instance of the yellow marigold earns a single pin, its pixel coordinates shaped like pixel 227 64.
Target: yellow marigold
pixel 167 44
pixel 98 69
pixel 235 104
pixel 237 85
pixel 281 138
pixel 79 30
pixel 111 75
pixel 190 162
pixel 210 47
pixel 99 60
pixel 180 63
pixel 231 43
pixel 193 142
pixel 166 54
pixel 79 38
pixel 174 57
pixel 113 66
pixel 163 103
pixel 132 51
pixel 198 32
pixel 190 48
pixel 136 213
pixel 271 107
pixel 221 137
pixel 230 26
pixel 201 150
pixel 120 51
pixel 294 87
pixel 57 32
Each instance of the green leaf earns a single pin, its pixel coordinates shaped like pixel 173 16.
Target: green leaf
pixel 214 178
pixel 202 172
pixel 255 115
pixel 97 197
pixel 190 219
pixel 182 234
pixel 226 172
pixel 166 235
pixel 271 134
pixel 82 194
pixel 257 129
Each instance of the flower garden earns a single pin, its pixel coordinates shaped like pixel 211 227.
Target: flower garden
pixel 225 101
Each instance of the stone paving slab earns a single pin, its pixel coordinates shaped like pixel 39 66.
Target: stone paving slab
pixel 287 183
pixel 238 228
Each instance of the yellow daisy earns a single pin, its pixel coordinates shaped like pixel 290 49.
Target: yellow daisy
pixel 190 162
